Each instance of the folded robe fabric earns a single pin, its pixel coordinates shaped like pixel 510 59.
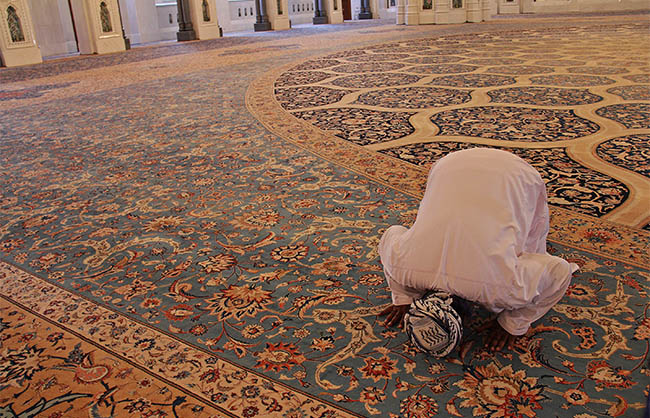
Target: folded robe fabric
pixel 480 233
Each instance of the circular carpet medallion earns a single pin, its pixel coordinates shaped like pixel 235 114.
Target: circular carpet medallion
pixel 390 110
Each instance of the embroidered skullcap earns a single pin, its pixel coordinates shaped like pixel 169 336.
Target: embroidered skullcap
pixel 432 325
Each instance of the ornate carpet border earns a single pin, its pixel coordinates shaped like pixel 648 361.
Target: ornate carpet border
pixel 576 230
pixel 201 373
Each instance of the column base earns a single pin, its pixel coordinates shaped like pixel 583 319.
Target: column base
pixel 262 26
pixel 186 35
pixel 319 20
pixel 365 15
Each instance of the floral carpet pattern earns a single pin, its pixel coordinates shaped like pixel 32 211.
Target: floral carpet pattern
pixel 191 241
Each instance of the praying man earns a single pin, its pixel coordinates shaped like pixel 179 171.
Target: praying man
pixel 479 236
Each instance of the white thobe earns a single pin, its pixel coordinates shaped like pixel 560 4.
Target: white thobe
pixel 480 233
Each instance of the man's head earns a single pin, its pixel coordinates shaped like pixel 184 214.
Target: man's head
pixel 433 325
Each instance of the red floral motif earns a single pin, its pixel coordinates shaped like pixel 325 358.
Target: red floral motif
pixel 418 406
pixel 601 236
pixel 257 220
pixel 607 376
pixel 643 330
pixel 137 288
pixel 8 246
pixel 576 397
pixel 239 301
pixel 279 356
pixel 372 395
pixel 587 335
pixel 39 221
pixel 381 368
pixel 179 312
pixel 333 266
pixel 163 223
pixel 495 392
pixel 217 263
pixel 289 253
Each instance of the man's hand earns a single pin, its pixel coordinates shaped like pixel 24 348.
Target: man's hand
pixel 497 338
pixel 395 315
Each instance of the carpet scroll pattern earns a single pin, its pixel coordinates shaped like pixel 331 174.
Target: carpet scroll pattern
pixel 205 245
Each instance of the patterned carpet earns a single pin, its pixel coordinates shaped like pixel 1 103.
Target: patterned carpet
pixel 194 233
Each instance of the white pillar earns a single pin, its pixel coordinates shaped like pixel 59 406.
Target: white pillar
pixel 334 9
pixel 99 26
pixel 488 8
pixel 526 6
pixel 204 19
pixel 474 11
pixel 17 42
pixel 412 15
pixel 441 12
pixel 278 12
pixel 53 26
pixel 401 12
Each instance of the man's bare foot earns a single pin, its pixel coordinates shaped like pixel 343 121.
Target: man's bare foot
pixel 395 315
pixel 497 338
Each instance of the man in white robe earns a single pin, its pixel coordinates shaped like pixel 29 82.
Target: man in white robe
pixel 480 234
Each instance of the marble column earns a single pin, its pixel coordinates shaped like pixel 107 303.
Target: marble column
pixel 365 12
pixel 401 12
pixel 262 23
pixel 334 11
pixel 185 28
pixel 412 15
pixel 204 19
pixel 127 41
pixel 320 15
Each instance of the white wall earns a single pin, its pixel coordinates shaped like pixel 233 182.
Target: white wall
pixel 554 6
pixel 236 15
pixel 304 11
pixel 148 20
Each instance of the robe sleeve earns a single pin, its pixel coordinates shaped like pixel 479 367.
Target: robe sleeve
pixel 401 293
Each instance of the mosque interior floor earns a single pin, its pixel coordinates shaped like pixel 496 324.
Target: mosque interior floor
pixel 191 229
